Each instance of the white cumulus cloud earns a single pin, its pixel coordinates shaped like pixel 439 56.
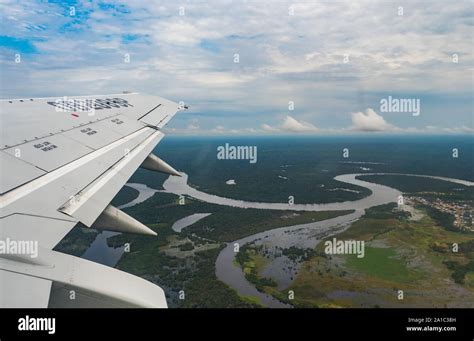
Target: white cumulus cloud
pixel 370 121
pixel 291 125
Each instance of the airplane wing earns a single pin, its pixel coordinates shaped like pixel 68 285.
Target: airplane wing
pixel 62 160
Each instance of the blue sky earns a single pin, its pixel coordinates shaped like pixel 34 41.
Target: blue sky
pixel 334 60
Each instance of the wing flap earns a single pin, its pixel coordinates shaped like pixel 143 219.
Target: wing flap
pixel 13 287
pixel 64 183
pixel 89 203
pixel 45 231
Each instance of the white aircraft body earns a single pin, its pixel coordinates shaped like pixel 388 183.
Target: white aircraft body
pixel 62 161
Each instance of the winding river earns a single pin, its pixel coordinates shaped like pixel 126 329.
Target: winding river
pixel 308 235
pixel 280 268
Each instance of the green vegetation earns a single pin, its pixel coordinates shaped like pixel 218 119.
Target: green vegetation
pixel 194 275
pixel 426 187
pixel 381 262
pixel 307 163
pixel 225 224
pixel 298 254
pixel 420 253
pixel 153 258
pixel 385 212
pixel 125 195
pixel 150 178
pixel 231 223
pixel 462 266
pixel 186 246
pixel 162 207
pixel 467 247
pixel 399 254
pixel 250 261
pixel 377 221
pixel 77 241
pixel 460 270
pixel 243 256
pixel 443 219
pixel 203 290
pixel 253 258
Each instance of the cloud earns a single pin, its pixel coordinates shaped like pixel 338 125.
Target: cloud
pixel 290 125
pixel 460 130
pixel 193 125
pixel 269 129
pixel 293 125
pixel 370 121
pixel 362 122
pixel 190 57
pixel 219 130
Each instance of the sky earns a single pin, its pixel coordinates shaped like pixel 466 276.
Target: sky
pixel 254 67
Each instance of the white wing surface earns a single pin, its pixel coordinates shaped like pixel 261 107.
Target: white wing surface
pixel 62 160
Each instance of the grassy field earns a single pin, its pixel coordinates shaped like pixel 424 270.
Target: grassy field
pixel 412 256
pixel 384 263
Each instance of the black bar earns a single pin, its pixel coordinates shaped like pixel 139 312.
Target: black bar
pixel 317 324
